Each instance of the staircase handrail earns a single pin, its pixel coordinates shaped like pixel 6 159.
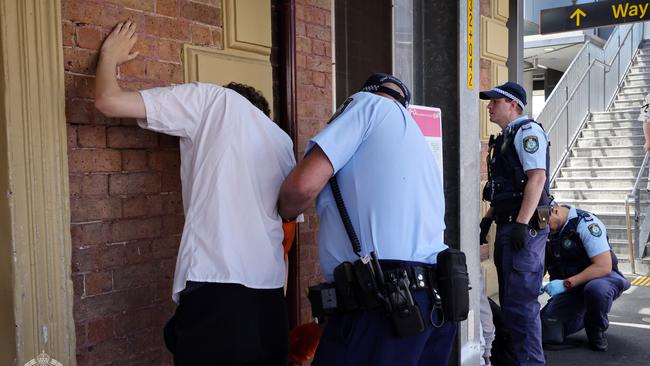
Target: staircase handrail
pixel 633 240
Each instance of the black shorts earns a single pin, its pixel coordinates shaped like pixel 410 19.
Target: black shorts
pixel 229 324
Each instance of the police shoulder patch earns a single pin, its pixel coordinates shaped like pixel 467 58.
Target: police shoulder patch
pixel 595 230
pixel 531 144
pixel 567 244
pixel 340 110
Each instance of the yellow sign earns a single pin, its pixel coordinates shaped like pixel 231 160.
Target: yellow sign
pixel 577 14
pixel 470 44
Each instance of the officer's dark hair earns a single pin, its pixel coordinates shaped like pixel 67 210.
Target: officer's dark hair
pixel 253 95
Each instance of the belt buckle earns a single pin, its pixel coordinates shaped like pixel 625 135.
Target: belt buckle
pixel 419 277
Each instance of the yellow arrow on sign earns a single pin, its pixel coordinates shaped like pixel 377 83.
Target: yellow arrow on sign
pixel 577 14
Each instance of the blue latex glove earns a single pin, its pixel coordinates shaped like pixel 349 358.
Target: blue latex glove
pixel 543 288
pixel 555 287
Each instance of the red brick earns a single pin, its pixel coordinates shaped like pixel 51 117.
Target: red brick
pixel 217 38
pixel 201 35
pixel 68 30
pixel 319 32
pixel 146 5
pixel 82 111
pixel 111 349
pixel 169 72
pixel 146 46
pixel 201 13
pixel 80 333
pixel 316 16
pixel 171 182
pixel 74 185
pixel 88 37
pixel 318 78
pixel 131 229
pixel 134 160
pixel 71 132
pixel 88 209
pixel 303 44
pixel 319 63
pixel 320 48
pixel 90 233
pixel 100 330
pixel 83 260
pixel 131 137
pixel 98 282
pixel 136 275
pixel 164 27
pixel 165 160
pixel 79 60
pixel 92 136
pixel 79 86
pixel 94 160
pixel 166 247
pixel 169 50
pixel 172 203
pixel 173 224
pixel 168 141
pixel 94 184
pixel 121 254
pixel 322 4
pixel 78 285
pixel 167 7
pixel 134 68
pixel 131 183
pixel 142 206
pixel 132 321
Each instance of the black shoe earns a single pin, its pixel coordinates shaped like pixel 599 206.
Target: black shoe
pixel 597 340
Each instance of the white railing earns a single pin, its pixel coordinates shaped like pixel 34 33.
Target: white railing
pixel 588 85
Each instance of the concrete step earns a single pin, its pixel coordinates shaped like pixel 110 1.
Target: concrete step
pixel 562 194
pixel 639 68
pixel 612 132
pixel 605 151
pixel 611 182
pixel 638 79
pixel 630 95
pixel 619 114
pixel 636 103
pixel 610 141
pixel 614 218
pixel 619 246
pixel 599 172
pixel 633 160
pixel 643 90
pixel 613 123
pixel 616 232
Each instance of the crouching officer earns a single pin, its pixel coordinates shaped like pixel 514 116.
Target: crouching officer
pixel 517 189
pixel 585 279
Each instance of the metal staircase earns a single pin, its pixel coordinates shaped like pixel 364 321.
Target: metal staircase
pixel 605 159
pixel 600 153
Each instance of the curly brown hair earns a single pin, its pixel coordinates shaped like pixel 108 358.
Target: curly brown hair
pixel 253 95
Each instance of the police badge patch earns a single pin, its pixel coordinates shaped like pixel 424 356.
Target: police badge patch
pixel 594 229
pixel 531 145
pixel 567 244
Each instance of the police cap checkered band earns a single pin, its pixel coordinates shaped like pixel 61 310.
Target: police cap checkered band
pixel 510 90
pixel 374 82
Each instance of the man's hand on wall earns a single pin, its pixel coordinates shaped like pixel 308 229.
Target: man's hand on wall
pixel 120 42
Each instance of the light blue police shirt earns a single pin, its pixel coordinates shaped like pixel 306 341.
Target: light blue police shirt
pixel 592 232
pixel 530 144
pixel 389 181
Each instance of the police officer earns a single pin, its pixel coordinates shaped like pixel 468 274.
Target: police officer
pixel 391 187
pixel 585 279
pixel 517 189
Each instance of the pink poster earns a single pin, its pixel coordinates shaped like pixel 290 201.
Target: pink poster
pixel 430 122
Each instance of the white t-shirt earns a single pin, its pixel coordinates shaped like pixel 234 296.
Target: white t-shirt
pixel 233 161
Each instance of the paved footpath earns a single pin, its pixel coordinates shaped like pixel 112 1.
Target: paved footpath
pixel 628 335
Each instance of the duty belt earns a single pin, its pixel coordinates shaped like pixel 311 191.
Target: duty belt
pixel 419 276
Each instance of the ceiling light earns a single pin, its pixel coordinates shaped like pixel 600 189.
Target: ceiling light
pixel 549 49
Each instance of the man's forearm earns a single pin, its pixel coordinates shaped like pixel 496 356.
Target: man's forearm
pixel 106 80
pixel 532 193
pixel 646 133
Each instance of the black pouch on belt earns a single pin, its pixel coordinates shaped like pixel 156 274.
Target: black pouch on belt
pixel 453 284
pixel 541 217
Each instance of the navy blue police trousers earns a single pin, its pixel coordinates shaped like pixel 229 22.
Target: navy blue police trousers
pixel 587 305
pixel 520 274
pixel 366 338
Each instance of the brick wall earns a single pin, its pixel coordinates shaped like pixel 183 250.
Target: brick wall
pixel 314 93
pixel 125 201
